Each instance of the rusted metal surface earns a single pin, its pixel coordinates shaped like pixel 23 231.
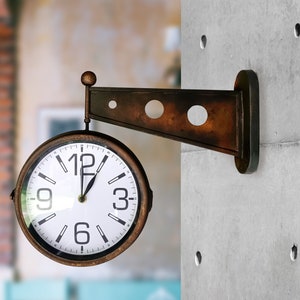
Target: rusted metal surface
pixel 247 159
pixel 232 125
pixel 218 132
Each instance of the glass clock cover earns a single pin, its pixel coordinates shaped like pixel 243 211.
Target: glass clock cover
pixel 82 198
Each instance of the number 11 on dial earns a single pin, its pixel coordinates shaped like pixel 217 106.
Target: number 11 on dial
pixel 82 198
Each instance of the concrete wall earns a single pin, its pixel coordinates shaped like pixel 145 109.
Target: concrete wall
pixel 243 225
pixel 123 43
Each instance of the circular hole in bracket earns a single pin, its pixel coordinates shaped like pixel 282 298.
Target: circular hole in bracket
pixel 197 115
pixel 198 258
pixel 203 42
pixel 297 30
pixel 154 109
pixel 112 104
pixel 294 252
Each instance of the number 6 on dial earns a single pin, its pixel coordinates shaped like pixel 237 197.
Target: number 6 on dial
pixel 82 198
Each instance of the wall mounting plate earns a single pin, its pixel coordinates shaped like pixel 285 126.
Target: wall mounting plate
pixel 247 160
pixel 232 124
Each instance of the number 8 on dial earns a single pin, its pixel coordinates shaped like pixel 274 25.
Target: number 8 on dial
pixel 82 198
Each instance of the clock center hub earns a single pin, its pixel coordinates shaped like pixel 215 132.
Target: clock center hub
pixel 82 198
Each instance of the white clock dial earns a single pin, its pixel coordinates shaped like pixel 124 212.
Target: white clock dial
pixel 80 199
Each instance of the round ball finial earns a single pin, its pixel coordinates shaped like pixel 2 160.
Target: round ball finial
pixel 88 78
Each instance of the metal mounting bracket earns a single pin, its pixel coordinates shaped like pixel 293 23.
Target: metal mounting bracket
pixel 232 124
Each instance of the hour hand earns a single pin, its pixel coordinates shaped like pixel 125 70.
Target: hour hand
pixel 82 197
pixel 90 184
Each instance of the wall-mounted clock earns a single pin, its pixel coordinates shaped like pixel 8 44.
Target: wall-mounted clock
pixel 82 198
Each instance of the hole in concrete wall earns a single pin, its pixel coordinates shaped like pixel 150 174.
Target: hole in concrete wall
pixel 203 42
pixel 198 258
pixel 297 30
pixel 112 104
pixel 197 115
pixel 294 252
pixel 154 109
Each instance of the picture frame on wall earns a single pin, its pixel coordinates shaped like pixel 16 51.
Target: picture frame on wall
pixel 54 121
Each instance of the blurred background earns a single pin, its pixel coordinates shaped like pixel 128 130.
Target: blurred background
pixel 45 46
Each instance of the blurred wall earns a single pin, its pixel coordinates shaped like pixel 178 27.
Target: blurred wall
pixel 7 80
pixel 123 42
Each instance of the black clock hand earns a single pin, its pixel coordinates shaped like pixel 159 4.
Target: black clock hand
pixel 92 181
pixel 90 184
pixel 81 178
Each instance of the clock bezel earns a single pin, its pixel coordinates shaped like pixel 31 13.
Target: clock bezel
pixel 144 194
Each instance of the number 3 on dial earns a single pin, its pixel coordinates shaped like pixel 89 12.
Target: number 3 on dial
pixel 82 198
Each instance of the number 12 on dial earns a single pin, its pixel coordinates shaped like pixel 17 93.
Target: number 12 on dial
pixel 82 198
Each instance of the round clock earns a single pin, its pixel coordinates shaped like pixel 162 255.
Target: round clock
pixel 82 198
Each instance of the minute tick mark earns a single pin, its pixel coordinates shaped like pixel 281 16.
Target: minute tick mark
pixel 117 219
pixel 61 163
pixel 46 178
pixel 61 234
pixel 47 219
pixel 102 163
pixel 102 234
pixel 116 178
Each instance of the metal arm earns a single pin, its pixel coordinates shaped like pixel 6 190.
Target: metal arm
pixel 232 125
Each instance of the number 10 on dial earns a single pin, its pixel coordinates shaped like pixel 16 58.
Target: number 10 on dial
pixel 82 198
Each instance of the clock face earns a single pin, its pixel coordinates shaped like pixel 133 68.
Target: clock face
pixel 82 199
